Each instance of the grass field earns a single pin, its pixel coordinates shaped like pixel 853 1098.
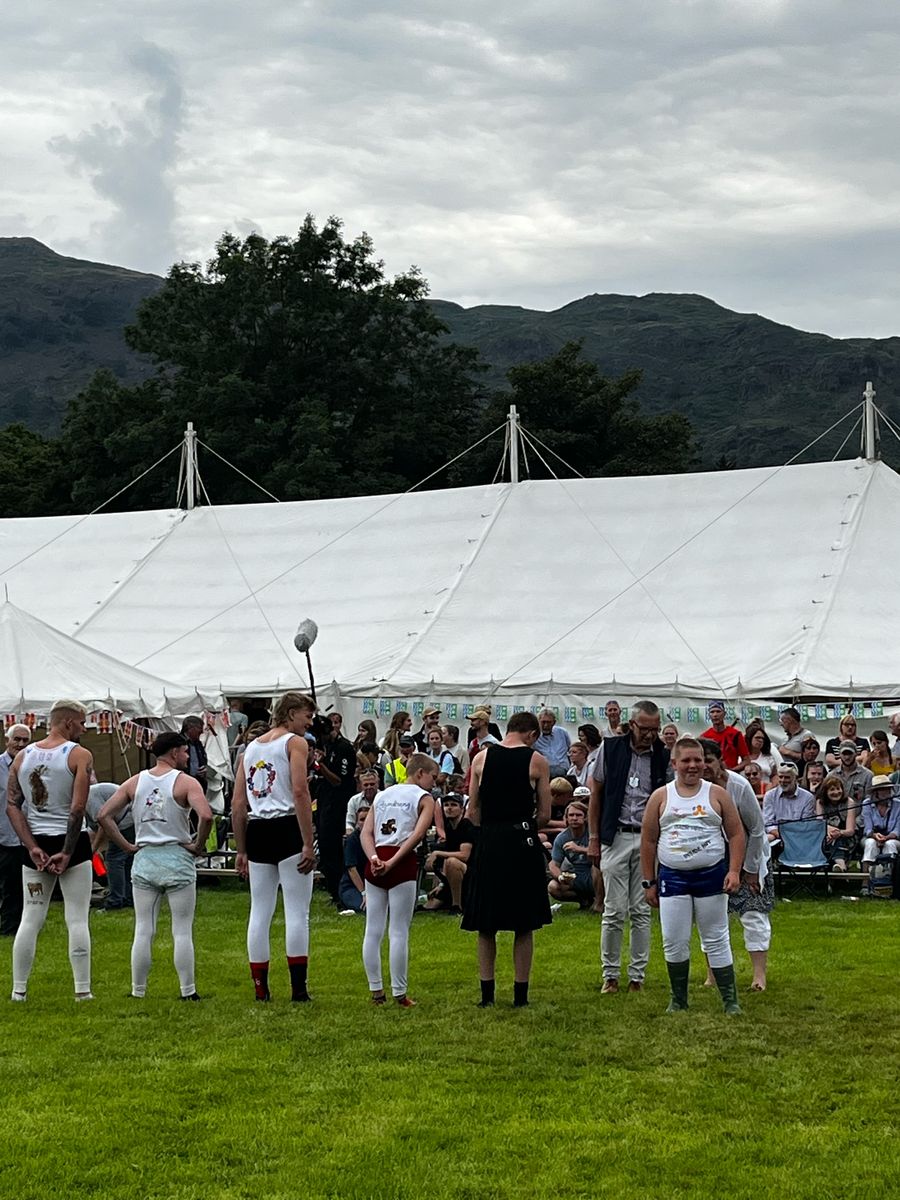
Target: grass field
pixel 578 1095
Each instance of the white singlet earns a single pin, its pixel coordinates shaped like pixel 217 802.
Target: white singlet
pixel 690 831
pixel 267 771
pixel 46 782
pixel 159 820
pixel 395 813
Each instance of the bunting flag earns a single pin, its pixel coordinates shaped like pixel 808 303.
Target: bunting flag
pixel 569 716
pixel 418 709
pixel 450 712
pixel 587 713
pixel 368 707
pixel 502 712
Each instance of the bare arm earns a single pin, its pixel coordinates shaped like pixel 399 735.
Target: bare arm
pixel 367 837
pixel 473 808
pixel 81 763
pixel 298 755
pixel 15 798
pixel 118 801
pixel 734 831
pixel 541 776
pixel 239 813
pixel 595 810
pixel 190 790
pixel 649 844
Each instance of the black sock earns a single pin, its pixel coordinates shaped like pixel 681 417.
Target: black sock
pixel 520 994
pixel 298 967
pixel 487 993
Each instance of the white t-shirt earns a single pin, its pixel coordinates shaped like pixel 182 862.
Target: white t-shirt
pixel 395 813
pixel 267 773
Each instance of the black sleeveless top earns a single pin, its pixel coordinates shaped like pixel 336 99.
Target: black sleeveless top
pixel 506 792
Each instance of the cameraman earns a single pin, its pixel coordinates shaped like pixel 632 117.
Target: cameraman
pixel 335 768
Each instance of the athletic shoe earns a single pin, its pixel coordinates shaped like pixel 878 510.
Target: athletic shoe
pixel 610 987
pixel 86 996
pixel 554 908
pixel 18 997
pixel 347 912
pixel 192 996
pixel 405 1002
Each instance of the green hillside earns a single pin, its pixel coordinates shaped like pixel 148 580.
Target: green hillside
pixel 754 390
pixel 61 319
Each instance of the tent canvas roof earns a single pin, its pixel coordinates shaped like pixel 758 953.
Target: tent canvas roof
pixel 759 583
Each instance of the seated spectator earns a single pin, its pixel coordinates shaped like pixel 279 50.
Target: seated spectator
pixel 759 747
pixel 395 771
pixel 368 758
pixel 553 743
pixel 561 792
pixel 449 859
pixel 855 777
pixel 454 784
pixel 732 741
pixel 579 772
pixel 572 876
pixel 881 822
pixel 669 735
pixel 450 734
pixel 846 733
pixel 836 809
pixel 614 726
pixel 754 777
pixel 791 748
pixel 447 764
pixel 352 888
pixel 786 802
pixel 879 759
pixel 810 752
pixel 364 798
pixel 812 775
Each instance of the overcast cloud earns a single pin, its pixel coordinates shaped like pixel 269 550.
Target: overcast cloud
pixel 522 153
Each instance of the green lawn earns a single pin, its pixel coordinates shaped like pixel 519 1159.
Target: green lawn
pixel 578 1095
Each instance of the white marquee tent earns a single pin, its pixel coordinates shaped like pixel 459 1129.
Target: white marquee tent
pixel 763 583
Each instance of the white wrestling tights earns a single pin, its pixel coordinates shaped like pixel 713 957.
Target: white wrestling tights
pixel 147 903
pixel 297 892
pixel 400 903
pixel 711 914
pixel 75 884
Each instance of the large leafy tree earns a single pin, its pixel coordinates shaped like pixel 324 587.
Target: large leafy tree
pixel 589 420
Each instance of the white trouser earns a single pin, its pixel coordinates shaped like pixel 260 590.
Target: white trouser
pixel 398 902
pixel 620 865
pixel 676 914
pixel 297 892
pixel 757 931
pixel 75 885
pixel 871 849
pixel 147 903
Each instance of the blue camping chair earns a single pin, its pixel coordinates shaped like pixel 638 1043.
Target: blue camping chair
pixel 803 856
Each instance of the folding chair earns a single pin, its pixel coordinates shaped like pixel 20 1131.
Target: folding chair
pixel 803 856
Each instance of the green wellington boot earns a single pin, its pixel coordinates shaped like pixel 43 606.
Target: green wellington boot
pixel 678 980
pixel 727 986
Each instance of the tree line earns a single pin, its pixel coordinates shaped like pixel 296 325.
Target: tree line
pixel 299 361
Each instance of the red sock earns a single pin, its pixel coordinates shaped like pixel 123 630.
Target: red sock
pixel 298 965
pixel 260 974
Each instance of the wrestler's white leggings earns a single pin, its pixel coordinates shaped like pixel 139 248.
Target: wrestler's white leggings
pixel 398 902
pixel 75 884
pixel 297 892
pixel 711 914
pixel 147 903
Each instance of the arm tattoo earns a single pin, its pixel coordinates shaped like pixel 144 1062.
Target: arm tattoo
pixel 73 831
pixel 14 794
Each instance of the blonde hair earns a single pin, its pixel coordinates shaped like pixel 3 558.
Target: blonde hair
pixel 62 709
pixel 420 762
pixel 561 787
pixel 285 705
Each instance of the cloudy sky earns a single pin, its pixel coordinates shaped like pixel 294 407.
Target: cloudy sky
pixel 525 152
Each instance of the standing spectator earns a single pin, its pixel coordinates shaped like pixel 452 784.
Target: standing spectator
pixel 846 733
pixel 734 747
pixel 450 734
pixel 395 771
pixel 855 777
pixel 17 738
pixel 507 881
pixel 335 767
pixel 118 861
pixel 366 731
pixel 879 759
pixel 572 875
pixel 401 723
pixel 364 798
pixel 450 859
pixel 553 743
pixel 590 735
pixel 754 777
pixel 337 722
pixel 352 889
pixel 614 726
pixel 431 719
pixel 881 822
pixel 760 752
pixel 836 809
pixel 755 898
pixel 480 734
pixel 787 801
pixel 689 870
pixel 669 735
pixel 628 769
pixel 894 727
pixel 579 772
pixel 237 722
pixel 791 748
pixel 435 748
pixel 192 728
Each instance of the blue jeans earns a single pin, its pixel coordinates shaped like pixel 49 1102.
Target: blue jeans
pixel 118 873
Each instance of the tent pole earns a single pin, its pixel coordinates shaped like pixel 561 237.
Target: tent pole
pixel 869 422
pixel 189 457
pixel 513 419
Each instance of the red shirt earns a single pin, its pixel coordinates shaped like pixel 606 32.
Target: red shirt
pixel 733 743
